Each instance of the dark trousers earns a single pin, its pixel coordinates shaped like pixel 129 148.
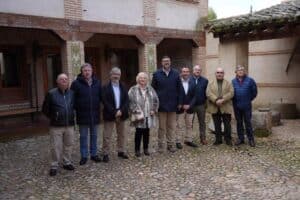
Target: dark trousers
pixel 139 134
pixel 218 118
pixel 243 116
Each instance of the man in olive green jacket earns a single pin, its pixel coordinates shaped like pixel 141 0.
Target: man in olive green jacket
pixel 219 93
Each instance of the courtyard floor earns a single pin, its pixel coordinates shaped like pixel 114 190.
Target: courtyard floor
pixel 269 171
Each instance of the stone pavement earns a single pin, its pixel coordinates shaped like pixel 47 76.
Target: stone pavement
pixel 269 171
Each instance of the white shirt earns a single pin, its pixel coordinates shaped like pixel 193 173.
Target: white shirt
pixel 117 94
pixel 185 84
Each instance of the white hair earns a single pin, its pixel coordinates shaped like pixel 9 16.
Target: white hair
pixel 142 74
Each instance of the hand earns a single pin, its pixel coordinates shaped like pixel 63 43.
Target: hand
pixel 186 107
pixel 152 112
pixel 118 114
pixel 219 102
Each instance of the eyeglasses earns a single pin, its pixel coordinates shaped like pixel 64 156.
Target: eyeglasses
pixel 220 72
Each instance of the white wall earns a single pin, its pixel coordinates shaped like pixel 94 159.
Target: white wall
pixel 177 15
pixel 114 11
pixel 53 8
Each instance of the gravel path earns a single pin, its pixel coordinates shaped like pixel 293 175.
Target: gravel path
pixel 269 171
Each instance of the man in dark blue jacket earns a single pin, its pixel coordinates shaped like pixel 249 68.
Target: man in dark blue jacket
pixel 58 106
pixel 199 101
pixel 87 90
pixel 167 84
pixel 116 104
pixel 245 91
pixel 185 113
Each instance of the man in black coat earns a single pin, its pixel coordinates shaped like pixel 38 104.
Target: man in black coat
pixel 167 84
pixel 58 106
pixel 87 90
pixel 116 104
pixel 185 113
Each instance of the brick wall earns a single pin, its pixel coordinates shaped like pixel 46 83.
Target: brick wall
pixel 149 12
pixel 73 9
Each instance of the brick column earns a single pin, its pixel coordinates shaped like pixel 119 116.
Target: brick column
pixel 233 53
pixel 198 58
pixel 147 57
pixel 72 58
pixel 73 9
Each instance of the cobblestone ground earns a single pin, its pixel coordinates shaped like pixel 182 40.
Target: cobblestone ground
pixel 269 171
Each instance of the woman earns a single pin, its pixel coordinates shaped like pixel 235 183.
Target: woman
pixel 143 101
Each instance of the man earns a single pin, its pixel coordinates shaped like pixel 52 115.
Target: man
pixel 245 91
pixel 116 104
pixel 87 90
pixel 58 106
pixel 167 84
pixel 219 93
pixel 185 113
pixel 199 101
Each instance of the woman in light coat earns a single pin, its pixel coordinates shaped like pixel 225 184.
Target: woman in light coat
pixel 143 100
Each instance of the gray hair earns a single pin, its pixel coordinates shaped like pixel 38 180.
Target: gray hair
pixel 240 67
pixel 115 70
pixel 142 74
pixel 86 65
pixel 197 66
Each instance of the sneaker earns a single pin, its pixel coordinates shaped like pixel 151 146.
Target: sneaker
pixel 105 158
pixel 69 167
pixel 96 159
pixel 179 146
pixel 83 161
pixel 53 172
pixel 191 144
pixel 123 155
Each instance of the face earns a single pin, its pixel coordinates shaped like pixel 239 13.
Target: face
pixel 166 63
pixel 197 71
pixel 185 73
pixel 62 81
pixel 115 77
pixel 142 80
pixel 240 72
pixel 220 74
pixel 87 72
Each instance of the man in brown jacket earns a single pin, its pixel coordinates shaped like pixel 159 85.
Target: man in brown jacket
pixel 219 93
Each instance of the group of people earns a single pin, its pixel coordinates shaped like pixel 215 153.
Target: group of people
pixel 172 99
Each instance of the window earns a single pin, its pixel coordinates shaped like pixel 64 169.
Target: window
pixel 10 69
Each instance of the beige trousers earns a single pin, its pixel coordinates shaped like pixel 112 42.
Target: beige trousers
pixel 121 136
pixel 167 127
pixel 184 127
pixel 61 142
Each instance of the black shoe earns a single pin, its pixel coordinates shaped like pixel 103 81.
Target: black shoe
pixel 105 158
pixel 53 172
pixel 83 161
pixel 123 155
pixel 146 152
pixel 138 154
pixel 69 167
pixel 239 142
pixel 251 143
pixel 191 144
pixel 96 159
pixel 229 142
pixel 217 143
pixel 171 149
pixel 179 146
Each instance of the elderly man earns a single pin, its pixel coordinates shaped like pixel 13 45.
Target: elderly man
pixel 167 84
pixel 245 91
pixel 58 106
pixel 219 93
pixel 87 90
pixel 199 101
pixel 116 104
pixel 185 113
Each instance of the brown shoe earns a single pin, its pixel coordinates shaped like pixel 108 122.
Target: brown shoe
pixel 203 141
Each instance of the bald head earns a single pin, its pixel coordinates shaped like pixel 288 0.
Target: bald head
pixel 197 70
pixel 62 81
pixel 219 73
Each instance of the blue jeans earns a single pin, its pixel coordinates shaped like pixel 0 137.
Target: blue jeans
pixel 84 131
pixel 243 116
